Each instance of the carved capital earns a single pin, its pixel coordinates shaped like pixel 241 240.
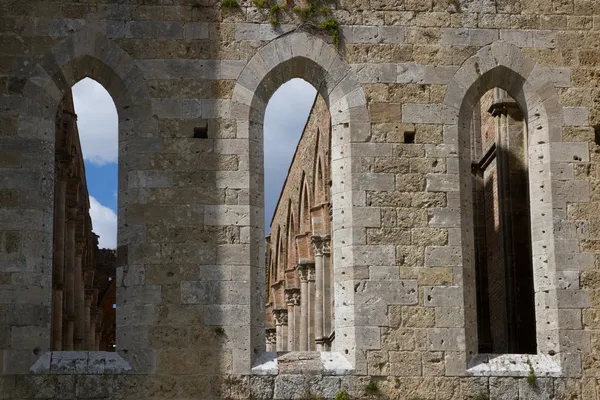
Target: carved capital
pixel 311 273
pixel 280 316
pixel 321 244
pixel 292 297
pixel 302 272
pixel 80 245
pixel 271 335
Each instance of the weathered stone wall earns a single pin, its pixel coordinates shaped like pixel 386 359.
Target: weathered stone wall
pixel 191 282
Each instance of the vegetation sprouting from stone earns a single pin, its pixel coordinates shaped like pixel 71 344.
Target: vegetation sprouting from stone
pixel 333 28
pixel 229 4
pixel 313 15
pixel 219 331
pixel 342 395
pixel 371 389
pixel 309 395
pixel 531 376
pixel 480 396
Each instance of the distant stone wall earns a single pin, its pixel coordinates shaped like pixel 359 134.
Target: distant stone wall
pixel 191 81
pixel 298 247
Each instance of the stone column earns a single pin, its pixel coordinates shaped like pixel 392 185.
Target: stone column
pixel 58 265
pixel 317 242
pixel 281 321
pixel 292 298
pixel 271 337
pixel 311 307
pixel 327 292
pixel 303 273
pixel 79 295
pixel 88 343
pixel 69 296
pixel 96 319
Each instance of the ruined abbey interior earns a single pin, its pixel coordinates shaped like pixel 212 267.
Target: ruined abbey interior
pixel 437 237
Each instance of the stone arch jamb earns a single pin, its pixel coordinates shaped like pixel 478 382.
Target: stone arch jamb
pixel 303 55
pixel 86 53
pixel 506 66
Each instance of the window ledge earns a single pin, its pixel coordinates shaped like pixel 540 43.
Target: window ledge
pixel 302 362
pixel 514 365
pixel 80 363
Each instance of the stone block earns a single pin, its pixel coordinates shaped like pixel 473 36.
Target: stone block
pixel 438 75
pixel 374 254
pixel 443 296
pixel 443 256
pixel 445 339
pixel 392 292
pixel 211 292
pixel 403 363
pixel 569 152
pixel 427 114
pixel 410 73
pixel 576 116
pixel 468 36
pixel 442 183
pixel 444 217
pixel 391 34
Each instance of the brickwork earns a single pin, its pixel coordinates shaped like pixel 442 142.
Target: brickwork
pixel 191 284
pixel 302 223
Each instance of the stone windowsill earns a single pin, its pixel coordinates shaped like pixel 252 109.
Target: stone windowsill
pixel 514 365
pixel 80 363
pixel 302 362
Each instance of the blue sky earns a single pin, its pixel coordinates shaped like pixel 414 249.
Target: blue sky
pixel 98 131
pixel 97 121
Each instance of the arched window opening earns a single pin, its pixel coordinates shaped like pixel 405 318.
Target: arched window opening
pixel 85 220
pixel 319 184
pixel 501 212
pixel 305 210
pixel 300 307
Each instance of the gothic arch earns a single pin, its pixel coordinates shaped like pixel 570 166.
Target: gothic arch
pixel 505 66
pixel 303 55
pixel 86 53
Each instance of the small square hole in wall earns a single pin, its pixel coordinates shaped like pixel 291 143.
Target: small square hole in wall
pixel 409 137
pixel 201 132
pixel 597 134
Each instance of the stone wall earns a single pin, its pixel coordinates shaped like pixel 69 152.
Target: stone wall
pixel 401 89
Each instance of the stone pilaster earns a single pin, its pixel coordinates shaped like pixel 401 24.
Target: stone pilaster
pixel 79 296
pixel 317 242
pixel 58 265
pixel 69 296
pixel 271 338
pixel 328 297
pixel 281 321
pixel 303 273
pixel 311 307
pixel 292 299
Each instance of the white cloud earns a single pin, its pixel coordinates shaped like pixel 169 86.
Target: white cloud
pixel 104 224
pixel 97 121
pixel 285 117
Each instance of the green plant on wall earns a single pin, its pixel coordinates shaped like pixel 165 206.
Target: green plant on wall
pixel 229 4
pixel 313 15
pixel 531 376
pixel 220 331
pixel 371 389
pixel 342 395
